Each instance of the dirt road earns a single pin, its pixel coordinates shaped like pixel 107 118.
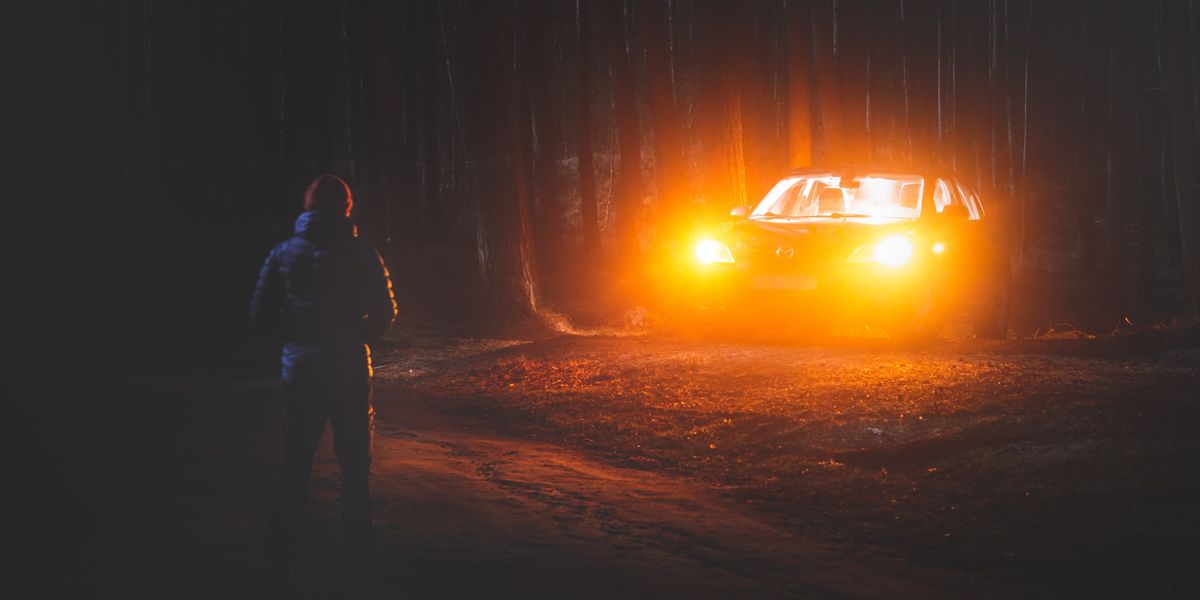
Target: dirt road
pixel 524 519
pixel 647 467
pixel 1034 467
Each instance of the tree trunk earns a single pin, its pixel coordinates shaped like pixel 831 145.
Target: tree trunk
pixel 1084 163
pixel 504 247
pixel 853 62
pixel 1180 70
pixel 548 214
pixel 589 217
pixel 629 187
pixel 1001 84
pixel 722 125
pixel 389 165
pixel 432 207
pixel 674 191
pixel 1119 161
pixel 828 146
pixel 799 88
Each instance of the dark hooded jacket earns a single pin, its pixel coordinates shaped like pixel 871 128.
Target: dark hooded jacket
pixel 327 295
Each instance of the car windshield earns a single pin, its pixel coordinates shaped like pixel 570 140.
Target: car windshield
pixel 832 196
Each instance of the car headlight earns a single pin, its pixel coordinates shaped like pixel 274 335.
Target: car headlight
pixel 892 251
pixel 712 251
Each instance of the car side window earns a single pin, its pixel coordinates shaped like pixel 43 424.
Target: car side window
pixel 971 200
pixel 943 195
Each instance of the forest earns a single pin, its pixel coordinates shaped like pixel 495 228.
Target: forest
pixel 520 156
pixel 527 169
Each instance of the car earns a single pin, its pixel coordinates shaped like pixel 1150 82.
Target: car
pixel 902 252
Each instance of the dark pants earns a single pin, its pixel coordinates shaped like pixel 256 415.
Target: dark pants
pixel 308 405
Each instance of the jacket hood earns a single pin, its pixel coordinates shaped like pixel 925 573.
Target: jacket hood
pixel 323 227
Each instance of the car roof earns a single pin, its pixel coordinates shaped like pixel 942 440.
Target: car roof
pixel 866 169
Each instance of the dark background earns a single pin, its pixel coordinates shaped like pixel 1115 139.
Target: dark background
pixel 156 150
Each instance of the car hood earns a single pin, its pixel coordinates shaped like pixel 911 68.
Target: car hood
pixel 784 242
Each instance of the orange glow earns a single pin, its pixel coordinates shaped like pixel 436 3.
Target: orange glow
pixel 822 249
pixel 712 251
pixel 893 251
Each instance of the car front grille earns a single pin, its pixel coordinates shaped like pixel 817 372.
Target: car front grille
pixel 774 256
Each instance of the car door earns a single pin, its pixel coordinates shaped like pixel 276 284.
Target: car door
pixel 964 251
pixel 987 260
pixel 982 231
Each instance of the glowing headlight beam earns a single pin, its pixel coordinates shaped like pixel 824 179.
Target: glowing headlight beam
pixel 712 251
pixel 893 251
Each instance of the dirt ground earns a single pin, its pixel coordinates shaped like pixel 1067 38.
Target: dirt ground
pixel 643 466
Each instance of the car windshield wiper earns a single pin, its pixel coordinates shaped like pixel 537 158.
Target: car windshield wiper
pixel 834 215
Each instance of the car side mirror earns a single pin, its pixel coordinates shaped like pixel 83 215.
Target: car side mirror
pixel 740 212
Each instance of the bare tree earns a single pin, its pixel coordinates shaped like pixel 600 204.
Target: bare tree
pixel 505 254
pixel 1180 78
pixel 540 94
pixel 1119 159
pixel 671 174
pixel 629 188
pixel 799 77
pixel 828 146
pixel 589 216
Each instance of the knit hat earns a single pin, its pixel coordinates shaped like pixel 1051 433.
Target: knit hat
pixel 329 192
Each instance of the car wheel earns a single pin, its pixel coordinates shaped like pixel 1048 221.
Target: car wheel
pixel 992 321
pixel 920 322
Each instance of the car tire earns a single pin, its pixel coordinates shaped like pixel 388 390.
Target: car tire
pixel 919 323
pixel 991 323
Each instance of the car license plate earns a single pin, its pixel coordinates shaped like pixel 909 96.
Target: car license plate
pixel 785 282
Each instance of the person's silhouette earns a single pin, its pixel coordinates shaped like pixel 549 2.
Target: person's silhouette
pixel 327 295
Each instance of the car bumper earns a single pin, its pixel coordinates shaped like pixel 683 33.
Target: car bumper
pixel 851 292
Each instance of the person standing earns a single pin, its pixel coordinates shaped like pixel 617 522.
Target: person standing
pixel 326 294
